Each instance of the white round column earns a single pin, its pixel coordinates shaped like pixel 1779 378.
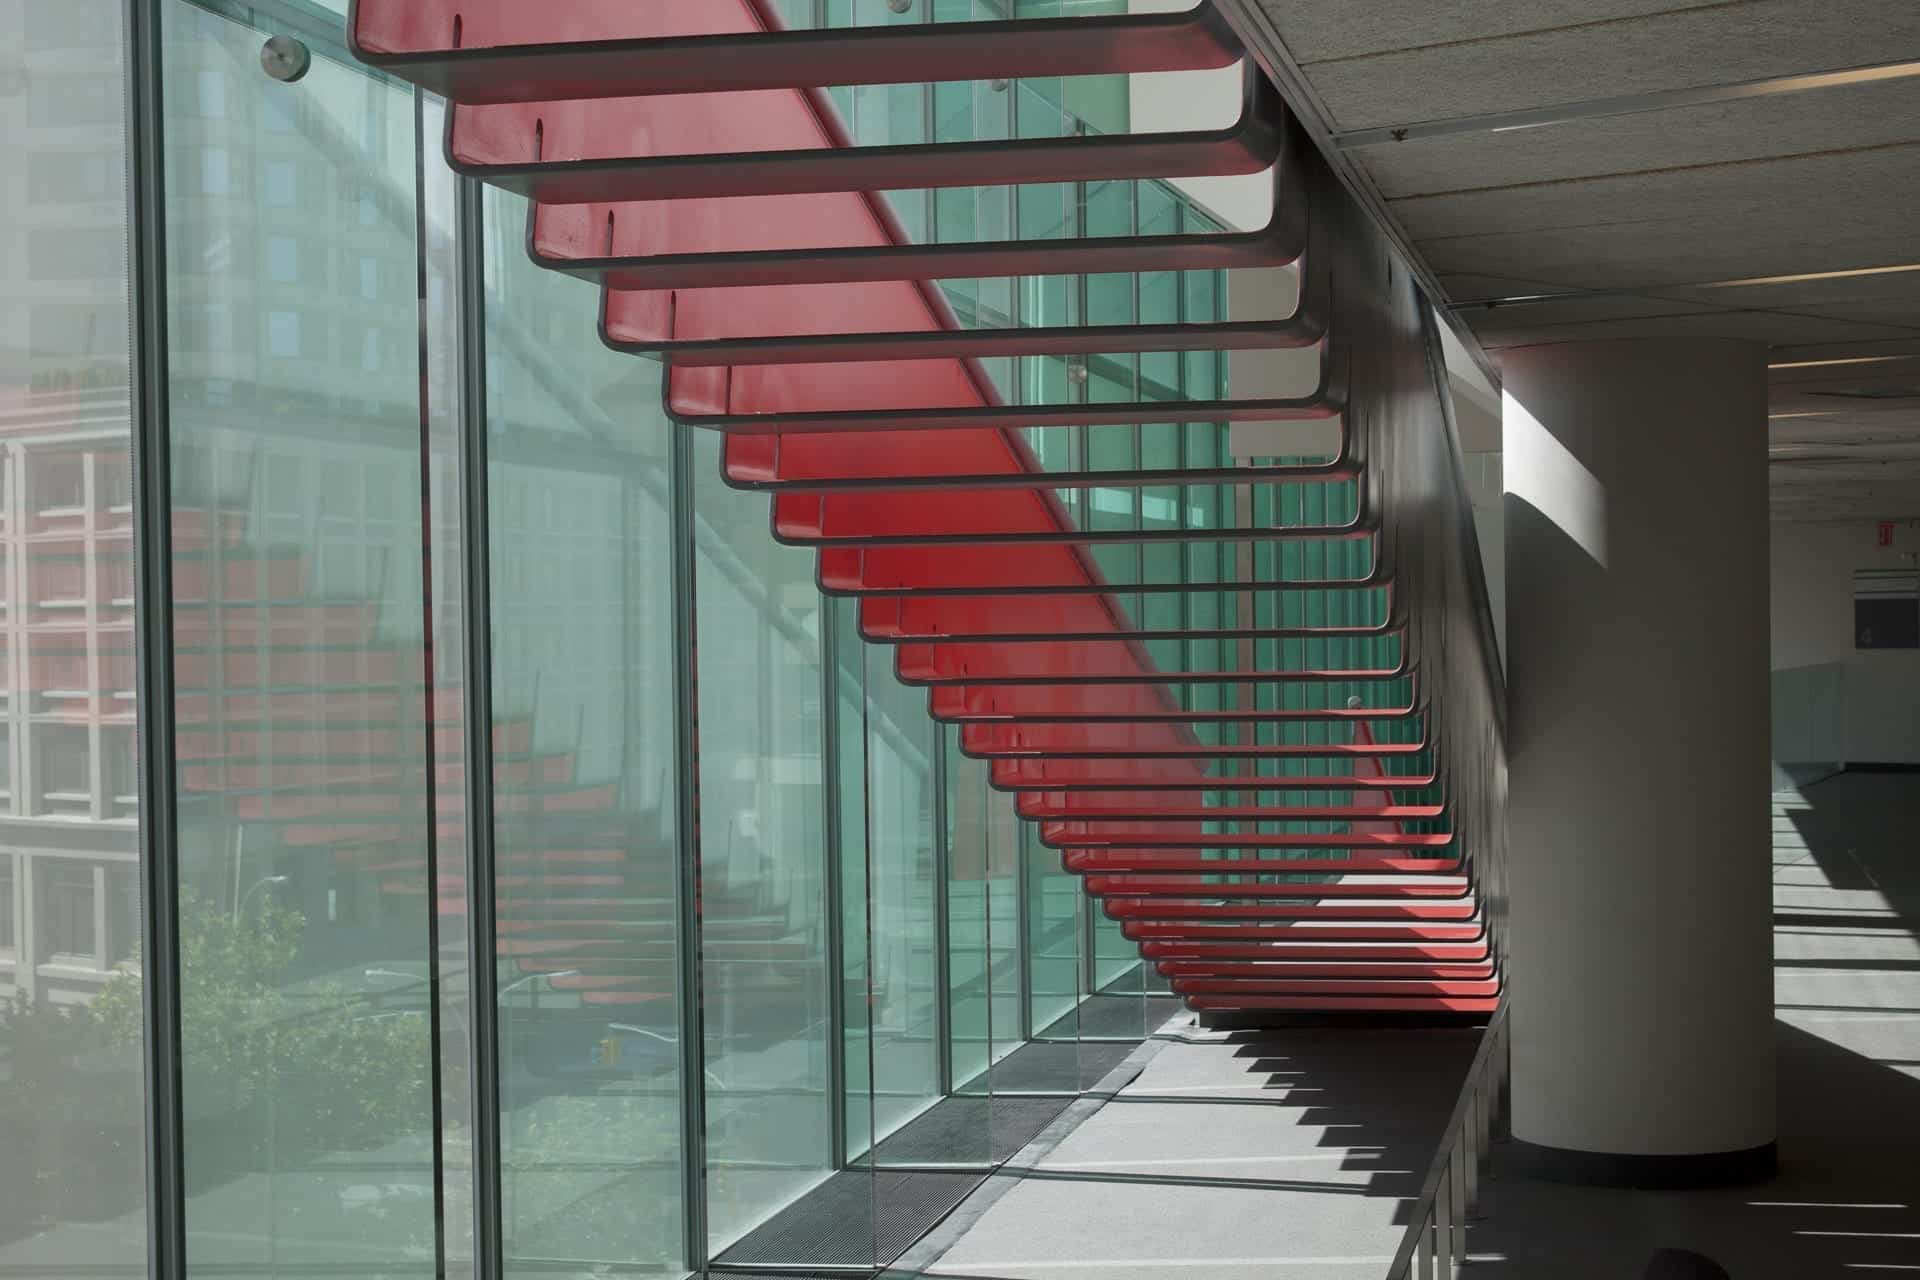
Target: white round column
pixel 1638 739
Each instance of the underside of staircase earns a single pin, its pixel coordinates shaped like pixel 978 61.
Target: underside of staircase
pixel 1275 836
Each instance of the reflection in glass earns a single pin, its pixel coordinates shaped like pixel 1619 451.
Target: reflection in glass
pixel 970 951
pixel 324 827
pixel 71 1149
pixel 900 926
pixel 584 777
pixel 307 777
pixel 764 908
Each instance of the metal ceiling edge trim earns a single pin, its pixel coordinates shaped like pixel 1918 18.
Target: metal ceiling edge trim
pixel 1263 42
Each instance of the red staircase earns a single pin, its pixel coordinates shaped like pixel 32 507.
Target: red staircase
pixel 684 154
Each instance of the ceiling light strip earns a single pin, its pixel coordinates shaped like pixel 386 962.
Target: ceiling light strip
pixel 1655 292
pixel 1625 104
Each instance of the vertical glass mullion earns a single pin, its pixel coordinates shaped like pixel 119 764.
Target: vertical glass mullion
pixel 942 918
pixel 689 982
pixel 154 657
pixel 477 711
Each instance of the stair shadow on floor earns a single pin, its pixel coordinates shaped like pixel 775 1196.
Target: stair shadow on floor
pixel 1295 1152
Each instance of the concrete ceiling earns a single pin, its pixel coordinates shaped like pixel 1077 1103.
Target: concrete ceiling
pixel 1654 167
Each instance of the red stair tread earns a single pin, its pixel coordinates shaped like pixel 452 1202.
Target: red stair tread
pixel 1168 835
pixel 1325 969
pixel 1189 911
pixel 1184 932
pixel 1334 987
pixel 1132 885
pixel 1162 861
pixel 1347 1003
pixel 1204 951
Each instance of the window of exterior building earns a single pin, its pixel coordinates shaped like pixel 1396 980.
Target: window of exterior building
pixel 9 930
pixel 65 921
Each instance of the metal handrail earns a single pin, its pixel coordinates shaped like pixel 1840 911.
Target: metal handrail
pixel 1435 1246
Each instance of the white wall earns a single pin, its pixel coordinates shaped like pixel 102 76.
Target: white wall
pixel 1813 568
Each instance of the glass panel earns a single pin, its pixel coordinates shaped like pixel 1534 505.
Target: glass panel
pixel 307 773
pixel 1009 963
pixel 902 936
pixel 852 862
pixel 72 1184
pixel 443 446
pixel 584 778
pixel 1053 907
pixel 764 905
pixel 970 944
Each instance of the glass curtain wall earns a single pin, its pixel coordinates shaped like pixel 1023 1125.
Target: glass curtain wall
pixel 72 1167
pixel 674 705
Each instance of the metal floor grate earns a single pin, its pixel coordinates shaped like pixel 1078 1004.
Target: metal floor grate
pixel 1057 1067
pixel 852 1219
pixel 963 1129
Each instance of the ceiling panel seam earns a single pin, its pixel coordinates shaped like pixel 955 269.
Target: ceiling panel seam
pixel 1783 157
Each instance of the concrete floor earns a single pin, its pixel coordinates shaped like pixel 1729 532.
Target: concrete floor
pixel 1290 1155
pixel 1231 1156
pixel 1846 859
